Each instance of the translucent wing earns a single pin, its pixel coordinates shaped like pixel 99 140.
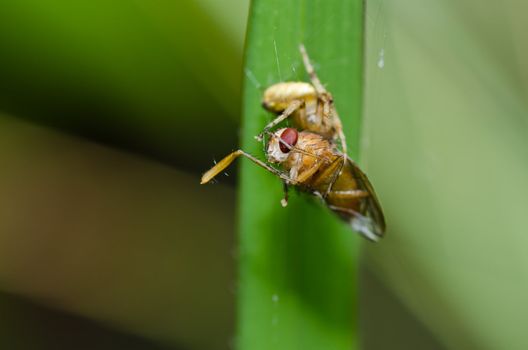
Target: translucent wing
pixel 370 215
pixel 352 197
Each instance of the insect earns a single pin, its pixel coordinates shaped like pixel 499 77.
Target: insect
pixel 310 106
pixel 314 165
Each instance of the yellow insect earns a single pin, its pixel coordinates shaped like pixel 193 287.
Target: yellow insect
pixel 314 165
pixel 310 106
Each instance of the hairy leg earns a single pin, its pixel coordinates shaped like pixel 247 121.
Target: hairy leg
pixel 292 107
pixel 224 163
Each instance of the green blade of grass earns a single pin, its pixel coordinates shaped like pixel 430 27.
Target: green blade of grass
pixel 298 265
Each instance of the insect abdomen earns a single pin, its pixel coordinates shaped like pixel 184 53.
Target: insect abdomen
pixel 278 96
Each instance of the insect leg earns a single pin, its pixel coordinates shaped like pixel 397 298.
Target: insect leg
pixel 335 175
pixel 332 171
pixel 311 71
pixel 339 129
pixel 350 194
pixel 305 175
pixel 326 98
pixel 284 201
pixel 292 107
pixel 224 163
pixel 332 120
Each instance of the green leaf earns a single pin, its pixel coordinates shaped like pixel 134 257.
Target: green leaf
pixel 298 265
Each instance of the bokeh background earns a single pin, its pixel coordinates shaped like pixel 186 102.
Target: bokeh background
pixel 109 112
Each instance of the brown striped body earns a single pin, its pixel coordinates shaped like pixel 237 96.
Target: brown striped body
pixel 315 166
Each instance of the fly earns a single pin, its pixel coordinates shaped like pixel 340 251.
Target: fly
pixel 313 164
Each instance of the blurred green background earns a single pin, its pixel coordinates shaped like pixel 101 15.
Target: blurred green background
pixel 109 112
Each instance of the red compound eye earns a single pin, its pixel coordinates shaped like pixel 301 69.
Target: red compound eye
pixel 289 136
